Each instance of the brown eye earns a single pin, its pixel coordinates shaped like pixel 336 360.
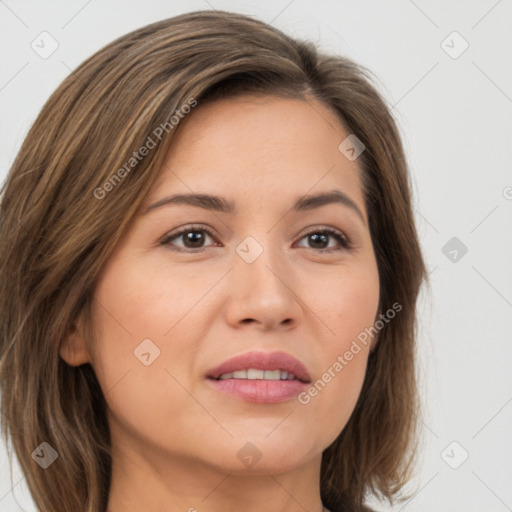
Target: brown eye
pixel 192 238
pixel 318 239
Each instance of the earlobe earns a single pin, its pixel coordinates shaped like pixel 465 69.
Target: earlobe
pixel 73 349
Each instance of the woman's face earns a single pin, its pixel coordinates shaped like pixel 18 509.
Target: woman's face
pixel 192 285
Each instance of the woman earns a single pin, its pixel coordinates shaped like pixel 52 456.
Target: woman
pixel 172 335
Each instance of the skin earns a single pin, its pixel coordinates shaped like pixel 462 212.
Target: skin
pixel 175 439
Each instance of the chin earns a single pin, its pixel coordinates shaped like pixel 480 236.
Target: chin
pixel 253 457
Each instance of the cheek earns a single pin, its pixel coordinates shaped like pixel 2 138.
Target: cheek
pixel 348 303
pixel 349 310
pixel 140 301
pixel 132 358
pixel 137 311
pixel 357 310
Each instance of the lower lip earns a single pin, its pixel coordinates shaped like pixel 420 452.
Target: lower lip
pixel 260 391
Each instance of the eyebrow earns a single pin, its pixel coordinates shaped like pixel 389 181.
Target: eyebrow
pixel 222 205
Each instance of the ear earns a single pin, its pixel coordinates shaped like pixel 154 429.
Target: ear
pixel 73 349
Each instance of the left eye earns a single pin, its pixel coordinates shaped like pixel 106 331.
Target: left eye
pixel 321 236
pixel 194 237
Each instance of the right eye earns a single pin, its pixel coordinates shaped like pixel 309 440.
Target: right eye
pixel 193 237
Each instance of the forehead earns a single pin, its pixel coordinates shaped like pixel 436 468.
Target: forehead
pixel 266 119
pixel 252 146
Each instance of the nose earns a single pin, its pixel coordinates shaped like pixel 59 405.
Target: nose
pixel 263 293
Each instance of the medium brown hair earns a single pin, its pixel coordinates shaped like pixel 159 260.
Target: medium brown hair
pixel 56 233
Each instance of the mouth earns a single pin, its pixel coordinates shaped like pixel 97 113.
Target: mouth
pixel 255 374
pixel 261 366
pixel 260 377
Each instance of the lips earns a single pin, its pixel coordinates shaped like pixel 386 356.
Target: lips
pixel 262 361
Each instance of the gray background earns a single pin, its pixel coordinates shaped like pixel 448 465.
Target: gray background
pixel 455 113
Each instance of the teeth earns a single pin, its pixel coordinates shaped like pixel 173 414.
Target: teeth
pixel 253 374
pixel 256 374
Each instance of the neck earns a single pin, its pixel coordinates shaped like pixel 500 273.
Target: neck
pixel 156 482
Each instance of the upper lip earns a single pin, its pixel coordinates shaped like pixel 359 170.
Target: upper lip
pixel 262 361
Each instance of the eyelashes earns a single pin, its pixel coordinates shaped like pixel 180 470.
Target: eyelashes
pixel 318 235
pixel 342 240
